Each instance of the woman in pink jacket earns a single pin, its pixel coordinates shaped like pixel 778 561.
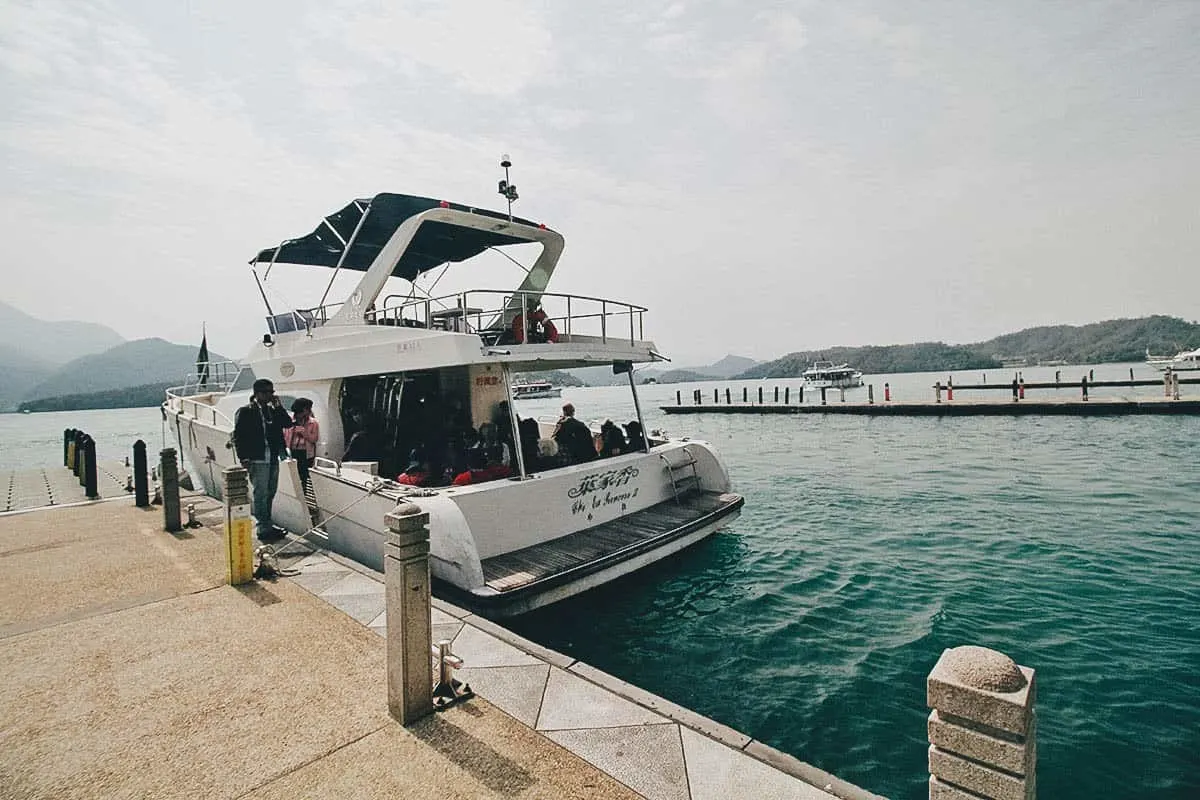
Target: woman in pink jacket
pixel 303 436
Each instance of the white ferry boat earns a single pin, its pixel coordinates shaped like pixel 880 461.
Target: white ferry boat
pixel 1183 361
pixel 534 390
pixel 394 364
pixel 826 374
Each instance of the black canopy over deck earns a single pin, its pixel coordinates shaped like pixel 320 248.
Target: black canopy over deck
pixel 435 242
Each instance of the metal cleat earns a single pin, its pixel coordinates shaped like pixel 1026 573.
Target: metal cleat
pixel 447 690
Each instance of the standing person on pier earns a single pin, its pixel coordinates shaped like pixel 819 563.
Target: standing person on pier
pixel 1083 384
pixel 258 441
pixel 1014 388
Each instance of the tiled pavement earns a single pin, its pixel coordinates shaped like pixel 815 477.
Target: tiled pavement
pixel 23 489
pixel 654 747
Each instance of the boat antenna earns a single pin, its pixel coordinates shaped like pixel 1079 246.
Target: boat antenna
pixel 509 190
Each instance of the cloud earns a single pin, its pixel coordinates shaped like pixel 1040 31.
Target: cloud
pixel 488 47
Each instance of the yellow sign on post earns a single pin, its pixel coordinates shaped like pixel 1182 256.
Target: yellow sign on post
pixel 239 545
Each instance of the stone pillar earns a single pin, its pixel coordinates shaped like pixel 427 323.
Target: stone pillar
pixel 409 628
pixel 982 730
pixel 239 528
pixel 169 477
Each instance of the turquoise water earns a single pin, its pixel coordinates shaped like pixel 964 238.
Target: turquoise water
pixel 866 547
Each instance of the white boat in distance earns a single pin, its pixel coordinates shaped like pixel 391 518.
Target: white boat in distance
pixel 827 375
pixel 534 390
pixel 1183 361
pixel 400 367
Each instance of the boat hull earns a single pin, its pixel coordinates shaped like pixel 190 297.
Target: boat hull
pixel 471 524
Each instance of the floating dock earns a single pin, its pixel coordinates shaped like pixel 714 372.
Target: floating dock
pixel 957 408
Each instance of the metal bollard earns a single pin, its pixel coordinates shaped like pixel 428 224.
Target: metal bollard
pixel 239 528
pixel 745 394
pixel 787 391
pixel 800 395
pixel 89 470
pixel 141 484
pixel 760 395
pixel 776 394
pixel 728 400
pixel 871 394
pixel 678 398
pixel 823 395
pixel 409 624
pixel 169 469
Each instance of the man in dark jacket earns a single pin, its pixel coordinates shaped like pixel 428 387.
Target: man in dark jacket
pixel 574 438
pixel 258 440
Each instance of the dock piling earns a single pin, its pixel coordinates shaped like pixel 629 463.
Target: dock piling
pixel 409 626
pixel 983 726
pixel 89 470
pixel 68 434
pixel 141 484
pixel 169 470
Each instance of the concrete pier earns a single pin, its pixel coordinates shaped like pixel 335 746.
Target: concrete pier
pixel 130 667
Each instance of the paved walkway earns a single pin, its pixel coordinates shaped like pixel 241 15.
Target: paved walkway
pixel 128 668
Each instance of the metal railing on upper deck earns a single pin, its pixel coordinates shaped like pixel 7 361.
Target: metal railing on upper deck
pixel 217 379
pixel 490 314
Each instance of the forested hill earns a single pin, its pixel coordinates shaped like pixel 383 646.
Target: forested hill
pixel 874 360
pixel 1097 343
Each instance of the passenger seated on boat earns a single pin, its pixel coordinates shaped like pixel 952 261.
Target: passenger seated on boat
pixel 637 438
pixel 364 444
pixel 574 438
pixel 535 323
pixel 612 441
pixel 417 473
pixel 530 434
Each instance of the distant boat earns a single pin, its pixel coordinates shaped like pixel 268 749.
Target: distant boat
pixel 1183 361
pixel 1052 362
pixel 827 375
pixel 534 390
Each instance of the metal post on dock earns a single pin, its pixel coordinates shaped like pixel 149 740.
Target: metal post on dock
pixel 141 482
pixel 716 395
pixel 67 434
pixel 169 474
pixel 89 470
pixel 728 400
pixel 409 627
pixel 678 398
pixel 745 394
pixel 776 394
pixel 983 726
pixel 81 452
pixel 760 395
pixel 871 394
pixel 73 452
pixel 822 395
pixel 787 391
pixel 800 395
pixel 239 528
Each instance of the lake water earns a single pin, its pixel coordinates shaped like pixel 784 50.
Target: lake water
pixel 866 547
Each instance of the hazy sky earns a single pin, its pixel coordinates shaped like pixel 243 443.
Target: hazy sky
pixel 765 177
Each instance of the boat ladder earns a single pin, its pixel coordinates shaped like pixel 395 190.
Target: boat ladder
pixel 683 482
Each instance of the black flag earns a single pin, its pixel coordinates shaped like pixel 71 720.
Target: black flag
pixel 202 360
